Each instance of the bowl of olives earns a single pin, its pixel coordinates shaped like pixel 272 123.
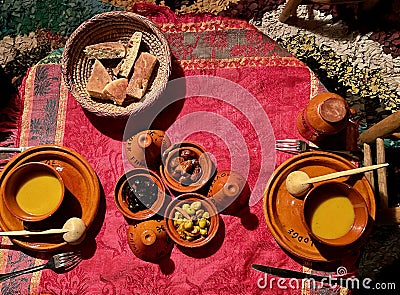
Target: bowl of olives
pixel 139 194
pixel 192 220
pixel 186 167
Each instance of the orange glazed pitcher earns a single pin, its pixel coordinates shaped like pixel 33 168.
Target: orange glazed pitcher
pixel 326 114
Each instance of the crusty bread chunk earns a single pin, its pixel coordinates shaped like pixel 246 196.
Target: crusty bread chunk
pixel 116 90
pixel 126 65
pixel 98 79
pixel 105 50
pixel 141 75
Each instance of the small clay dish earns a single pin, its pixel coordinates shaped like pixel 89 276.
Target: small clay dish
pixel 149 240
pixel 139 194
pixel 143 149
pixel 335 214
pixel 186 167
pixel 33 191
pixel 194 227
pixel 229 191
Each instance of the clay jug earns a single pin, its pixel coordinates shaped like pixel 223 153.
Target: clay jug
pixel 326 114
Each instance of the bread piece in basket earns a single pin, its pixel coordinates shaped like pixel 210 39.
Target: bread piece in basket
pixel 105 50
pixel 127 63
pixel 98 79
pixel 141 75
pixel 116 90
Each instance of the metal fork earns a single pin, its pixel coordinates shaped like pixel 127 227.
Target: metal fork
pixel 6 149
pixel 296 146
pixel 65 261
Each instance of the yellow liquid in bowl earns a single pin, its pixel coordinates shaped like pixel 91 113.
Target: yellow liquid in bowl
pixel 333 217
pixel 39 194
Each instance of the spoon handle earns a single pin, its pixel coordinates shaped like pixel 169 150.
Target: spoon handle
pixel 31 233
pixel 346 173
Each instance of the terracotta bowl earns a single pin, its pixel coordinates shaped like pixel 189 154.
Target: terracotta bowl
pixel 26 192
pixel 143 149
pixel 206 205
pixel 135 182
pixel 190 183
pixel 149 240
pixel 335 214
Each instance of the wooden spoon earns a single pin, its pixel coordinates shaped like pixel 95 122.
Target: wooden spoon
pixel 346 173
pixel 33 233
pixel 298 183
pixel 73 230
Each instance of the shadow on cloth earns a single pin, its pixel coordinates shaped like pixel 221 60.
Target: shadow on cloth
pixel 163 113
pixel 160 115
pixel 88 246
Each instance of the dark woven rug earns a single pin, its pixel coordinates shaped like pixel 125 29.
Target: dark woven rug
pixel 366 75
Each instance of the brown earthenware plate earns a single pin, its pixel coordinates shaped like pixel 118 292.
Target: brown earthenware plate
pixel 82 195
pixel 283 211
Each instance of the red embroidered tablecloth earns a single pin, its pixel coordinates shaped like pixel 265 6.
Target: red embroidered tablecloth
pixel 225 53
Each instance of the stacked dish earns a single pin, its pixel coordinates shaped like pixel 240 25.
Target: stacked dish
pixel 81 196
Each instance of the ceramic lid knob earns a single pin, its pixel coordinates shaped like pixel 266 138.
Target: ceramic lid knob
pixel 144 140
pixel 148 237
pixel 143 149
pixel 231 189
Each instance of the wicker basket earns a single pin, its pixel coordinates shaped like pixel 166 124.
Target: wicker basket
pixel 114 26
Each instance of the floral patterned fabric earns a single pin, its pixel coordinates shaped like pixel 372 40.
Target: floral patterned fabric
pixel 202 46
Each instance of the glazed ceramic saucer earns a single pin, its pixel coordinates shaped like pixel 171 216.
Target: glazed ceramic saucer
pixel 82 195
pixel 283 211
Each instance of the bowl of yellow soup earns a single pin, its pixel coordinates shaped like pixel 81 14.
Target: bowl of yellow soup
pixel 33 191
pixel 335 214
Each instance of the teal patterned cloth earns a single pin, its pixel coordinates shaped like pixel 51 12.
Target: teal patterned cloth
pixel 59 16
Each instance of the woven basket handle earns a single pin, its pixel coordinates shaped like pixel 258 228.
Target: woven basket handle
pixel 156 13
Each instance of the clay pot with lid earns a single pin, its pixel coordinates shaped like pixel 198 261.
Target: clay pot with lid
pixel 144 148
pixel 326 114
pixel 149 240
pixel 186 167
pixel 229 191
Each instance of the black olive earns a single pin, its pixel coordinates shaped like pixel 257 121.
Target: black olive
pixel 141 195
